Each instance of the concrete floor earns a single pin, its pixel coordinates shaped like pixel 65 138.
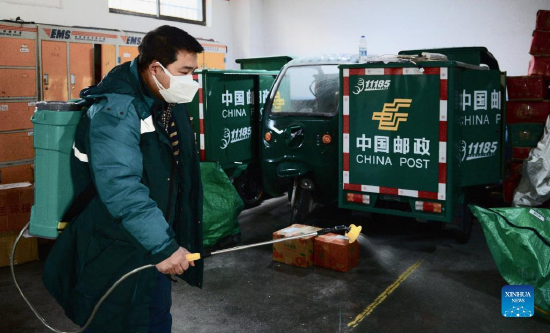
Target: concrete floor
pixel 411 278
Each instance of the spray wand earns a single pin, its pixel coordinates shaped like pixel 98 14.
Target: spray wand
pixel 352 232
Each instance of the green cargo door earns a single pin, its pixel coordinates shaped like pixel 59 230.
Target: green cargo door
pixel 480 109
pixel 394 140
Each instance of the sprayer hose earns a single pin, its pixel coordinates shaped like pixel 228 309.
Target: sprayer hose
pixel 97 305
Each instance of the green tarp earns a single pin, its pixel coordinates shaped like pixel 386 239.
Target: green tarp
pixel 519 240
pixel 222 205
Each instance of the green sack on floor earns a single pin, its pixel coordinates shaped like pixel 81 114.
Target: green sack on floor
pixel 221 205
pixel 519 240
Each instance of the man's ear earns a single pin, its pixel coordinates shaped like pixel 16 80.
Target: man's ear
pixel 154 67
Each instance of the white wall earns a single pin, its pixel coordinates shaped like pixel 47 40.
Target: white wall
pixel 305 27
pixel 252 28
pixel 95 13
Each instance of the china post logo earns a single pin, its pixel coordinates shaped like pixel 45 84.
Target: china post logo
pixel 390 117
pixel 518 301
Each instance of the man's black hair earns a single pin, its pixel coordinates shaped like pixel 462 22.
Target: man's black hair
pixel 163 44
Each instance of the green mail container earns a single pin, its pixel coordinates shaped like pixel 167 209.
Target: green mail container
pixel 274 63
pixel 54 131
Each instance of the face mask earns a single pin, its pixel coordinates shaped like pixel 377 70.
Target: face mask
pixel 182 88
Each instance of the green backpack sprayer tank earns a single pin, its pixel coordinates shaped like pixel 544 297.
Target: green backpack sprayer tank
pixel 54 130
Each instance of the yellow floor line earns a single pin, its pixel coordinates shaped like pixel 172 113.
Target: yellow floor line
pixel 385 294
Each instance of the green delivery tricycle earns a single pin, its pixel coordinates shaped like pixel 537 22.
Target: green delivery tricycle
pixel 299 144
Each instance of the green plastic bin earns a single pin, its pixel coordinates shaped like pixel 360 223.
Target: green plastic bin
pixel 267 63
pixel 54 131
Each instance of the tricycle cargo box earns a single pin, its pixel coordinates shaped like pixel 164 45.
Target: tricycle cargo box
pixel 274 63
pixel 225 114
pixel 473 55
pixel 414 137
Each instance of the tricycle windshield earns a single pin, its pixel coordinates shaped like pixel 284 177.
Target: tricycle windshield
pixel 307 90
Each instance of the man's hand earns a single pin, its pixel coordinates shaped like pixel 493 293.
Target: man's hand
pixel 176 264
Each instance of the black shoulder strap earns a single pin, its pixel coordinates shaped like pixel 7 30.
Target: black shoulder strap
pixel 78 205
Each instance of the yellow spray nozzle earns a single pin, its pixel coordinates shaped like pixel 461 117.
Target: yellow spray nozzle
pixel 353 233
pixel 193 256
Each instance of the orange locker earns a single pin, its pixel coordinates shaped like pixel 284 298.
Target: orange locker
pixel 54 70
pixel 108 58
pixel 214 56
pixel 15 82
pixel 17 174
pixel 15 115
pixel 81 67
pixel 17 52
pixel 214 60
pixel 127 53
pixel 16 146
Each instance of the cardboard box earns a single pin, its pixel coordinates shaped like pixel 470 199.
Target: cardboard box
pixel 296 252
pixel 15 206
pixel 27 249
pixel 527 112
pixel 524 135
pixel 16 115
pixel 540 43
pixel 16 146
pixel 543 20
pixel 539 65
pixel 17 174
pixel 335 252
pixel 527 87
pixel 520 153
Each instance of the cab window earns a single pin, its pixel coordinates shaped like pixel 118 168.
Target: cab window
pixel 307 90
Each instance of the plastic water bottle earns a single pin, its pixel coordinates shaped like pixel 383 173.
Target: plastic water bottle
pixel 362 49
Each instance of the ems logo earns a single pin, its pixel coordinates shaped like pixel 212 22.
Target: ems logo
pixel 390 117
pixel 518 301
pixel 131 40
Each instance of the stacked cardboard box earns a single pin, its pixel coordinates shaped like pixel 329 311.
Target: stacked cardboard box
pixel 528 105
pixel 15 209
pixel 330 251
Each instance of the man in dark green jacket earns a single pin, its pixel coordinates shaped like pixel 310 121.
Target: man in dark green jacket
pixel 136 150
